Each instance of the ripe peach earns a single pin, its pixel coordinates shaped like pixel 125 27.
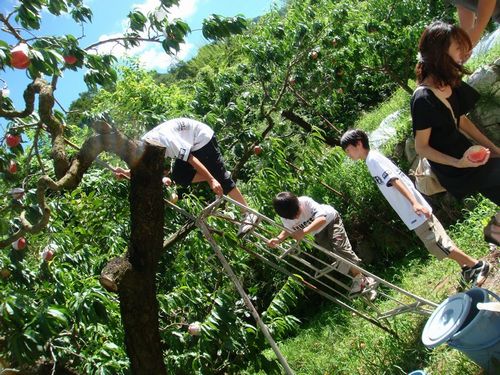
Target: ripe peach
pixel 12 140
pixel 477 154
pixel 19 244
pixel 70 59
pixel 19 57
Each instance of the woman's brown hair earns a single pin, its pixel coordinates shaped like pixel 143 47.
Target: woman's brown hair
pixel 434 60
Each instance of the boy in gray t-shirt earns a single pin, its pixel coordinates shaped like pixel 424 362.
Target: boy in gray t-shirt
pixel 302 216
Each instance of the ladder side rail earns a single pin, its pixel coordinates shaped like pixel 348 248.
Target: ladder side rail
pixel 385 282
pixel 326 276
pixel 271 221
pixel 402 308
pixel 318 291
pixel 305 272
pixel 180 210
pixel 302 261
pixel 414 308
pixel 229 271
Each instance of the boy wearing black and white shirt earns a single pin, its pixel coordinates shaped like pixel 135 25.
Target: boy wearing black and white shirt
pixel 410 206
pixel 197 158
pixel 302 216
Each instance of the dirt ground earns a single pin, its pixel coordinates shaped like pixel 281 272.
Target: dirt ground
pixel 493 281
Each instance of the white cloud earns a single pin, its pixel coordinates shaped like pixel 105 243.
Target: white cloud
pixel 151 55
pixel 156 58
pixel 185 9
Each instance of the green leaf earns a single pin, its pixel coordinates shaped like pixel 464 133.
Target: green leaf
pixel 58 314
pixel 137 20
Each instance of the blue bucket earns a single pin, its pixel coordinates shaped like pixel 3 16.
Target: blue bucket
pixel 459 322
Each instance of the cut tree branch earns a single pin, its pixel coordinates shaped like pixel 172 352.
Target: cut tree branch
pixel 29 100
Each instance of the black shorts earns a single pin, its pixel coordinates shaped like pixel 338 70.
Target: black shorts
pixel 210 156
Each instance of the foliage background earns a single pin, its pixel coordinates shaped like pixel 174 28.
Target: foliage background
pixel 292 83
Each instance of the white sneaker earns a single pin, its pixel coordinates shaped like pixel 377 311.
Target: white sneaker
pixel 362 285
pixel 248 223
pixel 358 284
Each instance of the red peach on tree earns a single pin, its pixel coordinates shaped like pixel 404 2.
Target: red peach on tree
pixel 12 167
pixel 19 56
pixel 19 244
pixel 12 140
pixel 70 59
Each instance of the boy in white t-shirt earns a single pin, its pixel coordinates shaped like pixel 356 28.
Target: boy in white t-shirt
pixel 197 158
pixel 303 215
pixel 411 207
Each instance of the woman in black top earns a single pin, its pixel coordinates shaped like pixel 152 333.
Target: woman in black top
pixel 440 134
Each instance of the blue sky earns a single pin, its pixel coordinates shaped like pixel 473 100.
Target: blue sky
pixel 109 20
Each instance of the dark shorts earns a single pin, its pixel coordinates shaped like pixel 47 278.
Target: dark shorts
pixel 210 156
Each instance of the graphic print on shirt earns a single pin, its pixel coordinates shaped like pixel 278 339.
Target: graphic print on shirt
pixel 182 154
pixel 305 223
pixel 182 126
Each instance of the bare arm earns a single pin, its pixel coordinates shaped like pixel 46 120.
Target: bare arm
pixel 121 173
pixel 466 18
pixel 425 150
pixel 417 207
pixel 298 235
pixel 205 175
pixel 475 23
pixel 468 127
pixel 273 242
pixel 316 224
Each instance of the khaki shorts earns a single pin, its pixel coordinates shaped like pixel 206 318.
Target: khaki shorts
pixel 334 238
pixel 435 238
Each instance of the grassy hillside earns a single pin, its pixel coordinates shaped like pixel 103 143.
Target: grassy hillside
pixel 336 342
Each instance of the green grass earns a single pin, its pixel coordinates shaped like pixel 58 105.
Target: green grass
pixel 484 59
pixel 370 121
pixel 336 342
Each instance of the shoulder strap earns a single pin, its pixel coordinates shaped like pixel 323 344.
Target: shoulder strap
pixel 440 96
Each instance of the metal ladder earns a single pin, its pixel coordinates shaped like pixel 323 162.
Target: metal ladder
pixel 315 267
pixel 300 261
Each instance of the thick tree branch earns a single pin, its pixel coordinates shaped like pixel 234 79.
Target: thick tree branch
pixel 29 100
pixel 54 126
pixel 113 142
pixel 296 119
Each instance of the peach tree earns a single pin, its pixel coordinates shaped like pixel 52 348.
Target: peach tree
pixel 48 165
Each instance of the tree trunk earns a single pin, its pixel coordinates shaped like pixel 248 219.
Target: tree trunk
pixel 137 287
